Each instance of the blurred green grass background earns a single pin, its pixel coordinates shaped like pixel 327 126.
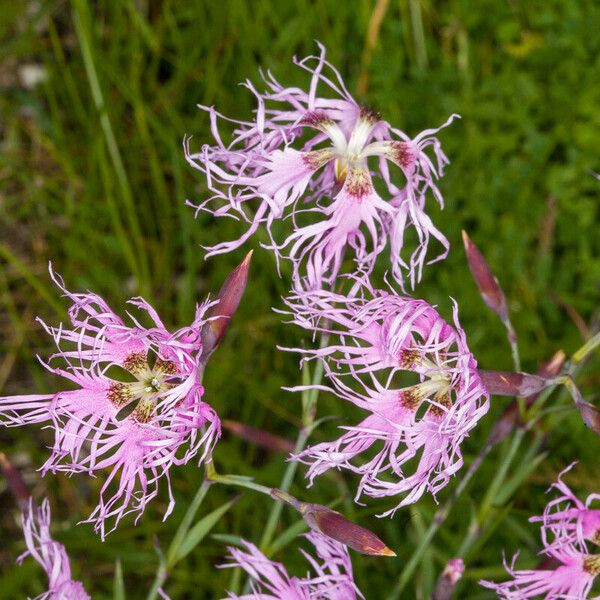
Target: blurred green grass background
pixel 92 178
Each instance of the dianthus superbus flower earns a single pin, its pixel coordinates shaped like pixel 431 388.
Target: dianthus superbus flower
pixel 50 554
pixel 567 526
pixel 409 442
pixel 566 517
pixel 137 407
pixel 572 579
pixel 331 579
pixel 303 147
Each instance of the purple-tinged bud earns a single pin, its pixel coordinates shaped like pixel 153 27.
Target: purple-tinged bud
pixel 488 285
pixel 550 369
pixel 15 482
pixel 510 418
pixel 335 526
pixel 259 437
pixel 447 581
pixel 511 383
pixel 229 298
pixel 590 415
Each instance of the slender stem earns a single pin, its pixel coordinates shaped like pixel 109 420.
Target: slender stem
pixel 286 483
pixel 511 334
pixel 586 349
pixel 241 481
pixel 309 407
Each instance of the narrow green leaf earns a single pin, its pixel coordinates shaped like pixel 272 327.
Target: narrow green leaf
pixel 118 582
pixel 184 526
pixel 228 538
pixel 199 531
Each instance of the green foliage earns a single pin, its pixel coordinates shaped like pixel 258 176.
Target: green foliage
pixel 92 177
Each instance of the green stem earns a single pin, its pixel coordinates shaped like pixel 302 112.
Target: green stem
pixel 236 480
pixel 586 349
pixel 286 483
pixel 309 408
pixel 511 334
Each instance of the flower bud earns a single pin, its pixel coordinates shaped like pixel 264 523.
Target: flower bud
pixel 220 314
pixel 510 383
pixel 510 417
pixel 448 579
pixel 335 526
pixel 590 415
pixel 488 285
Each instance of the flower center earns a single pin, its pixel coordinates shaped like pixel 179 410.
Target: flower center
pixel 349 152
pixel 436 387
pixel 150 382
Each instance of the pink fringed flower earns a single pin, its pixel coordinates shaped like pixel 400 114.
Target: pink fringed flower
pixel 50 554
pixel 302 142
pixel 568 518
pixel 567 523
pixel 410 441
pixel 332 579
pixel 137 408
pixel 571 580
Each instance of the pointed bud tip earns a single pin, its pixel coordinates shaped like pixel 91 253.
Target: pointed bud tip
pixel 386 552
pixel 488 285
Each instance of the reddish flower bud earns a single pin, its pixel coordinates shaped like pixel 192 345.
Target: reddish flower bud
pixel 510 383
pixel 447 581
pixel 335 526
pixel 259 437
pixel 488 285
pixel 510 417
pixel 15 482
pixel 590 415
pixel 229 297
